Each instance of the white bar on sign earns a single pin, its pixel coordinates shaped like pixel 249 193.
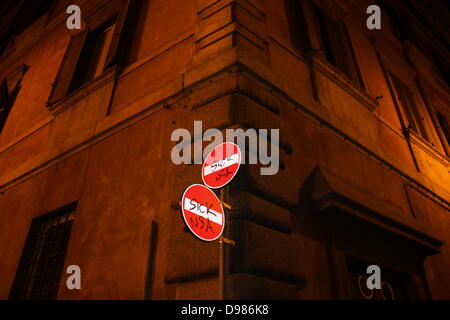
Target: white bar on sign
pixel 229 161
pixel 194 207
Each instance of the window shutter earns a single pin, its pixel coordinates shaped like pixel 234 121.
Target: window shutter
pixel 349 64
pixel 297 25
pixel 416 114
pixel 65 73
pixel 3 94
pixel 112 57
pixel 7 98
pixel 409 107
pixel 401 96
pixel 4 103
pixel 444 126
pixel 340 47
pixel 336 45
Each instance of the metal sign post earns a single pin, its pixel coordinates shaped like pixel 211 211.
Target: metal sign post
pixel 223 264
pixel 203 211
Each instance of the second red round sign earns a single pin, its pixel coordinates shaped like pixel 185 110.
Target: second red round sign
pixel 203 212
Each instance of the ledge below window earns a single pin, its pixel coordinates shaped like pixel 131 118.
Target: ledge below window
pixel 342 81
pixel 82 92
pixel 429 148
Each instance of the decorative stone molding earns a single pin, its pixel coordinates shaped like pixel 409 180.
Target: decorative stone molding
pixel 230 24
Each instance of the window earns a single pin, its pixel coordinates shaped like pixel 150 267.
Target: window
pixel 297 26
pixel 17 16
pixel 394 285
pixel 443 69
pixel 409 110
pixel 443 122
pixel 336 46
pixel 42 260
pixel 30 12
pixel 5 105
pixel 93 55
pixel 100 46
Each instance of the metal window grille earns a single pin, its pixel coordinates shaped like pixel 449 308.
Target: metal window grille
pixel 395 285
pixel 43 256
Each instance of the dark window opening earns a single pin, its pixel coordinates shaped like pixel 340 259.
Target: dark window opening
pixel 325 41
pixel 336 46
pixel 443 70
pixel 4 103
pixel 297 25
pixel 93 55
pixel 127 51
pixel 7 97
pixel 42 260
pixel 443 122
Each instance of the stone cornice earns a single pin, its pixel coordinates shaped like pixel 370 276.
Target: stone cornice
pixel 49 159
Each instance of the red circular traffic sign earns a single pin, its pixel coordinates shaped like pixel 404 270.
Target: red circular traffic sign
pixel 221 165
pixel 203 212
